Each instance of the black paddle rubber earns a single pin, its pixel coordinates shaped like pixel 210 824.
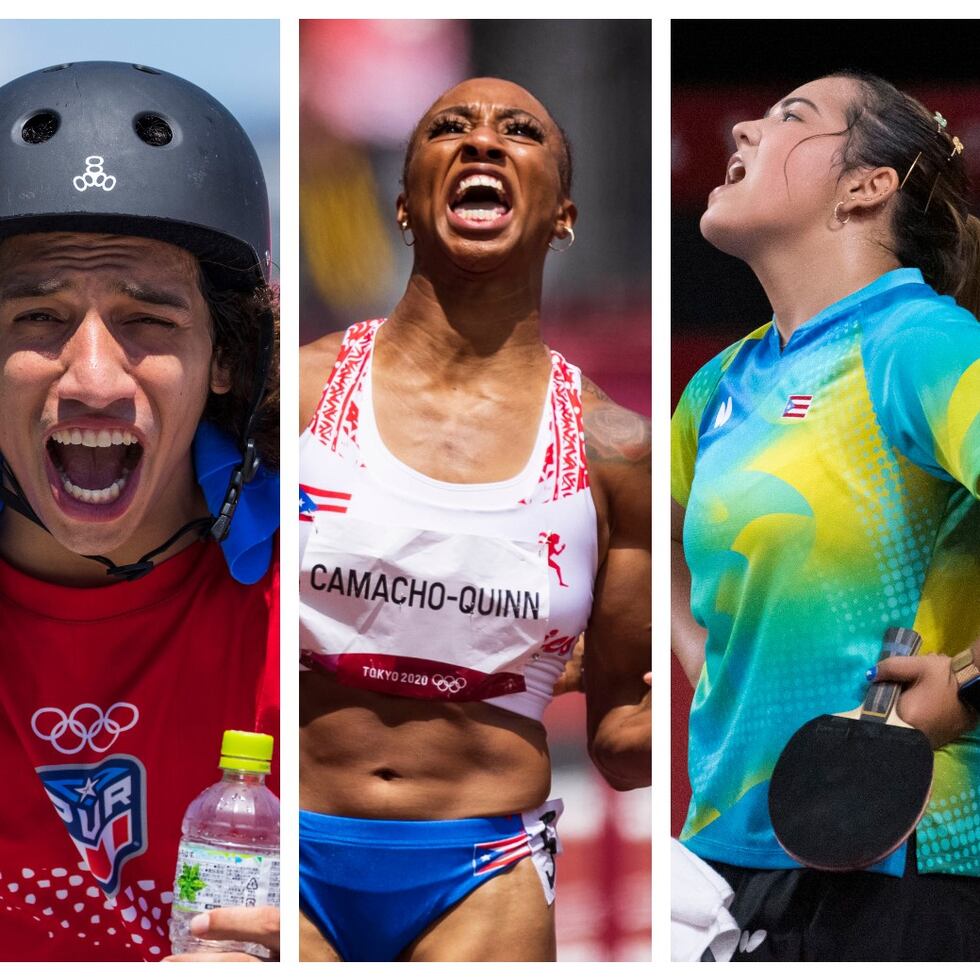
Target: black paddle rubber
pixel 846 792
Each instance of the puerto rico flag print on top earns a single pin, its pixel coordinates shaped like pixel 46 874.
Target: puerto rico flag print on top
pixel 312 500
pixel 112 707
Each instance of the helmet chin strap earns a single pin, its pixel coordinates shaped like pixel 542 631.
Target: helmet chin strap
pixel 16 500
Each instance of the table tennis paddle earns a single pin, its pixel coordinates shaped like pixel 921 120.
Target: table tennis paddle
pixel 849 788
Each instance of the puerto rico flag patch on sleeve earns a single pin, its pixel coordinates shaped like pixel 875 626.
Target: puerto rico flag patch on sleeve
pixel 797 406
pixel 103 806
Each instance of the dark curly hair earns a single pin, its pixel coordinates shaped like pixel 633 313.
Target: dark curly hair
pixel 235 319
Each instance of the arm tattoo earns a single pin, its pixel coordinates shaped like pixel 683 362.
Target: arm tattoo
pixel 616 435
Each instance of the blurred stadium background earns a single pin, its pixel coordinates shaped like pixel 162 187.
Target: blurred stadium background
pixel 727 71
pixel 363 86
pixel 237 61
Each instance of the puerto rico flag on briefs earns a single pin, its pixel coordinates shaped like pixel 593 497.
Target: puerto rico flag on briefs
pixel 313 499
pixel 497 854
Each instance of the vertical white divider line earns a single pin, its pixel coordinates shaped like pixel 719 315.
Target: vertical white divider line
pixel 289 389
pixel 660 447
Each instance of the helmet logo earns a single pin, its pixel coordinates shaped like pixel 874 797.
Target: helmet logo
pixel 94 176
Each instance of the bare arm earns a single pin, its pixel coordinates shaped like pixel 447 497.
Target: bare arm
pixel 617 641
pixel 316 361
pixel 687 639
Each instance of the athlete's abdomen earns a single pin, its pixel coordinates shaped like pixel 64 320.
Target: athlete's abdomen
pixel 370 755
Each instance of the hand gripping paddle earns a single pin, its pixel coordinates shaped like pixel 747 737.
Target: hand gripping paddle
pixel 849 788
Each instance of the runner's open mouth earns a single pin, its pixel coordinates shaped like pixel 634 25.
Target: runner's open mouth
pixel 94 464
pixel 480 197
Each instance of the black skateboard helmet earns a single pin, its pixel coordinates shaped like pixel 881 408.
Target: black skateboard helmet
pixel 105 146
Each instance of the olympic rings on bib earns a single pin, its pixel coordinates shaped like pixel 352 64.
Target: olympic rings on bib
pixel 52 724
pixel 451 684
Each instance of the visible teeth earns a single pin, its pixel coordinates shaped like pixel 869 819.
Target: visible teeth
pixel 478 215
pixel 736 172
pixel 104 496
pixel 96 438
pixel 479 180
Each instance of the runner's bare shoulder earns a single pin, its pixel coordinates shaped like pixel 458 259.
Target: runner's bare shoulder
pixel 316 361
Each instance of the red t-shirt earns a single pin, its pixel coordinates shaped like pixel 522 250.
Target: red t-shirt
pixel 112 705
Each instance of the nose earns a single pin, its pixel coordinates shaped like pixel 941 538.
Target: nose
pixel 483 143
pixel 746 133
pixel 96 368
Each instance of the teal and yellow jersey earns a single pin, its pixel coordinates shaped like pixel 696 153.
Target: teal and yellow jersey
pixel 831 491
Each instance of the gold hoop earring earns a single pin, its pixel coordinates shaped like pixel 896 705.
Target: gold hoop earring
pixel 571 242
pixel 403 225
pixel 837 217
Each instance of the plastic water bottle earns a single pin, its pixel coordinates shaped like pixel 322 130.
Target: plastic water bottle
pixel 229 848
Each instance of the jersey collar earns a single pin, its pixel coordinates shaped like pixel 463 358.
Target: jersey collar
pixel 843 307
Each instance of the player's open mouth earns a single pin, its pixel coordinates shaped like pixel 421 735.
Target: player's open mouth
pixel 479 201
pixel 734 174
pixel 735 171
pixel 94 467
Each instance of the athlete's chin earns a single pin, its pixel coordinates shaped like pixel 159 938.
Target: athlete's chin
pixel 93 534
pixel 725 235
pixel 103 540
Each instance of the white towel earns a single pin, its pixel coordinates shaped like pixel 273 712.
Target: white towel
pixel 699 916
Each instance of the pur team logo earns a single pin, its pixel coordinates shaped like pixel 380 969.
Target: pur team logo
pixel 94 176
pixel 103 806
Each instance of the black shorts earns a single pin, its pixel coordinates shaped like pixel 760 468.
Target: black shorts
pixel 798 915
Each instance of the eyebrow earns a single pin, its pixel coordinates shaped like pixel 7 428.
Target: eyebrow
pixel 37 289
pixel 505 112
pixel 153 295
pixel 786 103
pixel 31 288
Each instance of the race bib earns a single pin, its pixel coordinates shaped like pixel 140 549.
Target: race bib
pixel 421 613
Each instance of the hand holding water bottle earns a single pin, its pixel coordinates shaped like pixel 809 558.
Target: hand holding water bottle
pixel 254 926
pixel 226 889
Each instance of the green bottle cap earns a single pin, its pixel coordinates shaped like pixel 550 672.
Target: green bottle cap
pixel 248 751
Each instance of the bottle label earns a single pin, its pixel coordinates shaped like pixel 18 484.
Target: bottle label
pixel 210 877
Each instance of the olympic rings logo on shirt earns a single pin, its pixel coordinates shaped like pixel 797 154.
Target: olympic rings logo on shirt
pixel 450 685
pixel 52 725
pixel 94 176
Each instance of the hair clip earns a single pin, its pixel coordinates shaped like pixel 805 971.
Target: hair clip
pixel 909 171
pixel 940 122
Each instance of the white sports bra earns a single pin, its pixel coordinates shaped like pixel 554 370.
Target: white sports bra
pixel 457 592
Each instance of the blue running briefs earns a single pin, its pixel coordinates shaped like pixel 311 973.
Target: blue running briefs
pixel 373 886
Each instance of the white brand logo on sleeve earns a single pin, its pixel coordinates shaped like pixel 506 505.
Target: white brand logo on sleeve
pixel 87 726
pixel 724 413
pixel 94 176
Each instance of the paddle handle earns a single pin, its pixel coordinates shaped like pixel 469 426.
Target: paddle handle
pixel 882 695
